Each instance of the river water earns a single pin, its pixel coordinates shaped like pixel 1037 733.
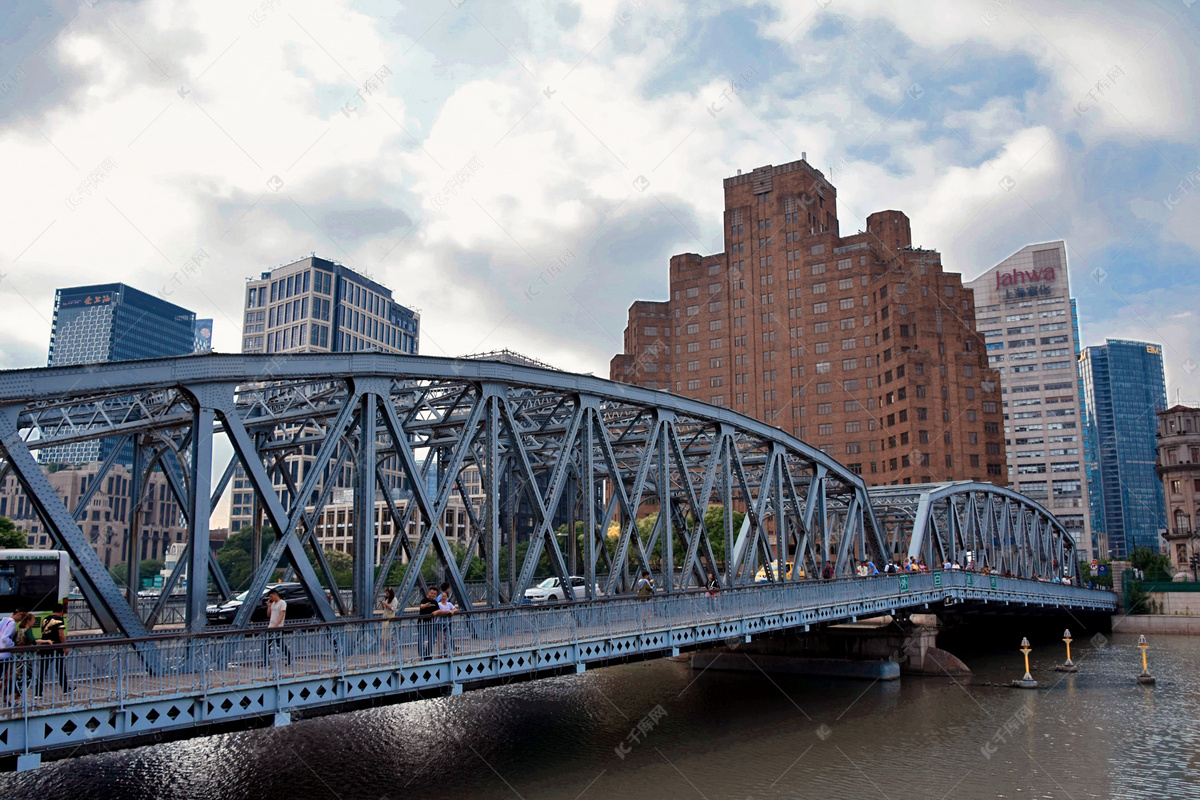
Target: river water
pixel 1095 734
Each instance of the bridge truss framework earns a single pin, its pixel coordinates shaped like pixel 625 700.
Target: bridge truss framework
pixel 564 447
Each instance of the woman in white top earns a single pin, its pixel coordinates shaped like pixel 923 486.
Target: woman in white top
pixel 446 609
pixel 390 605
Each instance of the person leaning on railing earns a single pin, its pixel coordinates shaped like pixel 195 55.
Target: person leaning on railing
pixel 54 632
pixel 8 631
pixel 23 655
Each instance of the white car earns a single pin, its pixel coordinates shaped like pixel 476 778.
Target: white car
pixel 550 591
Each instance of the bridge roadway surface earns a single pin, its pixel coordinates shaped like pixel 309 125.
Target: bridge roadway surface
pixel 130 691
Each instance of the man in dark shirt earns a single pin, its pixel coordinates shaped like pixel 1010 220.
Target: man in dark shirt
pixel 827 571
pixel 429 605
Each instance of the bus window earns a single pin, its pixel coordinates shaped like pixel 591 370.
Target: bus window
pixel 34 580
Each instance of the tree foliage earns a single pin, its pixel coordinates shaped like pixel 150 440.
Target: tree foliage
pixel 147 568
pixel 714 524
pixel 1155 565
pixel 234 556
pixel 10 537
pixel 1086 576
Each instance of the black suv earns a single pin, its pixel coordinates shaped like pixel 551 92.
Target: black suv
pixel 298 605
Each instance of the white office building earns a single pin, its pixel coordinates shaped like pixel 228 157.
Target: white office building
pixel 1024 309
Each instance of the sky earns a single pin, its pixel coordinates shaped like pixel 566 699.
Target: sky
pixel 520 173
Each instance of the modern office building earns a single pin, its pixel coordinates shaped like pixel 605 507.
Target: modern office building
pixel 112 322
pixel 317 306
pixel 1025 313
pixel 1124 390
pixel 1179 469
pixel 861 345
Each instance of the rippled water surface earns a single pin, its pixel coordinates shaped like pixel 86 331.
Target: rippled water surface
pixel 1096 734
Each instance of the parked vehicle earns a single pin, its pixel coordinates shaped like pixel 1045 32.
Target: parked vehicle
pixel 298 605
pixel 550 590
pixel 777 569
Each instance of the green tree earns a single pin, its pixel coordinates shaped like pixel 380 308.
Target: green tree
pixel 1140 601
pixel 10 537
pixel 476 570
pixel 234 556
pixel 1155 565
pixel 147 568
pixel 1086 576
pixel 340 564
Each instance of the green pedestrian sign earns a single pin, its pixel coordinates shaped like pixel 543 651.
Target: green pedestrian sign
pixel 970 579
pixel 937 580
pixel 993 580
pixel 904 583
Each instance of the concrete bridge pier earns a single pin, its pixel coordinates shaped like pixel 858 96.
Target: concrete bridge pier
pixel 883 648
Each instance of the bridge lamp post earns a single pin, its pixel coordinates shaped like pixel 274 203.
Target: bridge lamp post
pixel 1027 682
pixel 1145 677
pixel 1068 665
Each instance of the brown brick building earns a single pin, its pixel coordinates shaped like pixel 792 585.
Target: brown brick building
pixel 861 345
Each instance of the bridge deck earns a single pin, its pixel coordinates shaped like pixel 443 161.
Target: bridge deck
pixel 133 689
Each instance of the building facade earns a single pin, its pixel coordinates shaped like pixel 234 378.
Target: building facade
pixel 316 306
pixel 106 522
pixel 1124 389
pixel 112 322
pixel 1025 313
pixel 1179 468
pixel 334 525
pixel 861 345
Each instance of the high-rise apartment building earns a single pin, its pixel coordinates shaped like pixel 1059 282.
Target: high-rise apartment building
pixel 1025 313
pixel 316 306
pixel 861 345
pixel 111 322
pixel 1179 468
pixel 1124 390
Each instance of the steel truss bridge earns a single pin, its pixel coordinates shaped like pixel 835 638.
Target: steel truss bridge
pixel 548 449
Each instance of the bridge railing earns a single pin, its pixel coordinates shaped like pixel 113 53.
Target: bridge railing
pixel 99 672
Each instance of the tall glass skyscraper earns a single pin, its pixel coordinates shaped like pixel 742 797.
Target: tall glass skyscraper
pixel 1124 388
pixel 111 322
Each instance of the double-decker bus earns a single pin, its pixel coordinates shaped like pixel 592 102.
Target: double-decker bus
pixel 33 580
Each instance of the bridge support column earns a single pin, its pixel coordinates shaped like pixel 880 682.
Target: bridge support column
pixel 282 718
pixel 879 649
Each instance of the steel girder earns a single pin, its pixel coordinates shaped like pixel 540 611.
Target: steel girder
pixel 1001 529
pixel 570 447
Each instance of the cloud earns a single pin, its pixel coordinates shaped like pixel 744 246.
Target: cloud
pixel 522 176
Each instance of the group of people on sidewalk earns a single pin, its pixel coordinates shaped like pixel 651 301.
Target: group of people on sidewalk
pixel 26 660
pixel 435 612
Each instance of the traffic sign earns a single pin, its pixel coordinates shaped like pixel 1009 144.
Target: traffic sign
pixel 993 580
pixel 970 579
pixel 1102 569
pixel 904 583
pixel 937 580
